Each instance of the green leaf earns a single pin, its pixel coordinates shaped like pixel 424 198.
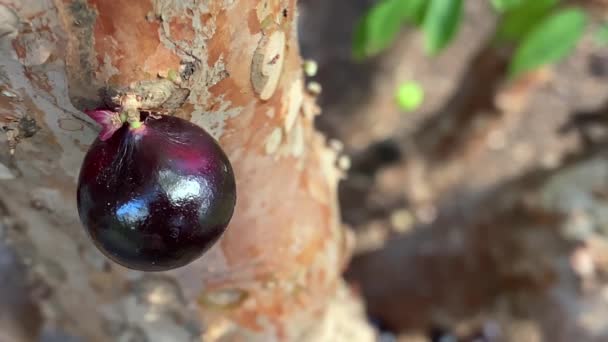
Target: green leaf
pixel 505 5
pixel 379 27
pixel 601 36
pixel 519 20
pixel 414 10
pixel 441 22
pixel 409 96
pixel 551 40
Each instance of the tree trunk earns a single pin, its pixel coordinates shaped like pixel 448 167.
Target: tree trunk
pixel 275 274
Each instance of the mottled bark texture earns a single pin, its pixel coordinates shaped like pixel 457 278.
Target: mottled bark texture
pixel 275 275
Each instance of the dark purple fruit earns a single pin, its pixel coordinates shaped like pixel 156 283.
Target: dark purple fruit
pixel 156 197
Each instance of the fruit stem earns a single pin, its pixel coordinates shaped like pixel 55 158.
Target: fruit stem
pixel 130 107
pixel 135 125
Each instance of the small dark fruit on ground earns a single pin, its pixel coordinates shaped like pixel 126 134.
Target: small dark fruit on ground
pixel 155 197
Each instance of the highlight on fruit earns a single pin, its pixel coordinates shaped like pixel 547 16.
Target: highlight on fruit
pixel 154 192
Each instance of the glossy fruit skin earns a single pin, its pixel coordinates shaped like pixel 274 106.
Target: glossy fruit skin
pixel 157 197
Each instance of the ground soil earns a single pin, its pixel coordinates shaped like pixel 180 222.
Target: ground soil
pixel 383 198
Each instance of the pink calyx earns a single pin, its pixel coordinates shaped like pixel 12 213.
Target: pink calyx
pixel 110 121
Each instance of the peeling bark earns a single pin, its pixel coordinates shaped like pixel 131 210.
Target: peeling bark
pixel 276 272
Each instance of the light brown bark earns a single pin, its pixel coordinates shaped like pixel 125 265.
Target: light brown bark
pixel 276 273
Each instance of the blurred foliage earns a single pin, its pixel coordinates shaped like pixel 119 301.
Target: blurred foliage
pixel 551 40
pixel 517 21
pixel 504 5
pixel 409 96
pixel 441 22
pixel 378 28
pixel 540 32
pixel 601 36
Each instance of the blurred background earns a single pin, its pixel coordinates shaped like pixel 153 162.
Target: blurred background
pixel 474 135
